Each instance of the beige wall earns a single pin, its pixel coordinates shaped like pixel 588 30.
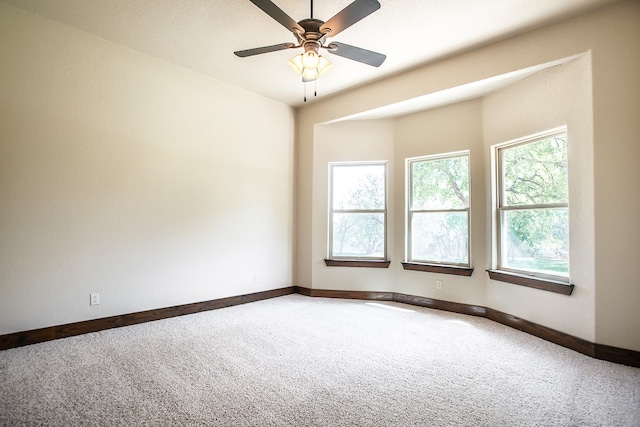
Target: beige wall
pixel 616 94
pixel 443 130
pixel 558 96
pixel 348 142
pixel 127 176
pixel 604 308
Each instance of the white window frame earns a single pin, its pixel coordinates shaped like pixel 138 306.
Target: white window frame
pixel 333 211
pixel 500 205
pixel 410 211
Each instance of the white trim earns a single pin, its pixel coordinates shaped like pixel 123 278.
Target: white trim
pixel 332 211
pixel 499 206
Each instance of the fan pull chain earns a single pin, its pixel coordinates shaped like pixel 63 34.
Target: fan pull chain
pixel 315 89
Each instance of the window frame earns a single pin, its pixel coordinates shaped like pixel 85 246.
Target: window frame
pixel 500 206
pixel 465 268
pixel 373 260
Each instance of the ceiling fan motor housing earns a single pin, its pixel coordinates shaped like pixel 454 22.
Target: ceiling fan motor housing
pixel 312 38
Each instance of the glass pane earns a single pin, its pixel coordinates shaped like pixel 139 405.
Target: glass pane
pixel 358 235
pixel 440 183
pixel 535 173
pixel 358 187
pixel 536 240
pixel 441 237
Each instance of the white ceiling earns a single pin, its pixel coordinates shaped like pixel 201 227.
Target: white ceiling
pixel 202 35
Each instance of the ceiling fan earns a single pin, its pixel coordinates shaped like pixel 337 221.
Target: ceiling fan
pixel 311 34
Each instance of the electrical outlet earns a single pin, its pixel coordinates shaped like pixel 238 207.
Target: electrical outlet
pixel 438 284
pixel 255 278
pixel 94 299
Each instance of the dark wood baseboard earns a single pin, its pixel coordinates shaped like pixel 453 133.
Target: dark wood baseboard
pixel 617 355
pixel 548 334
pixel 34 336
pixel 598 351
pixel 473 310
pixel 456 307
pixel 328 293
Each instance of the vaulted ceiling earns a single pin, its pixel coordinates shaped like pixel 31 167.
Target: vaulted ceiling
pixel 202 35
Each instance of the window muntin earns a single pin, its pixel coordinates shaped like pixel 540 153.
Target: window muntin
pixel 438 209
pixel 533 206
pixel 358 210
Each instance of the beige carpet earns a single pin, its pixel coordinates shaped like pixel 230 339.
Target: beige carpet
pixel 300 361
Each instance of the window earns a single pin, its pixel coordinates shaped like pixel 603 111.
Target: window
pixel 358 211
pixel 533 206
pixel 438 209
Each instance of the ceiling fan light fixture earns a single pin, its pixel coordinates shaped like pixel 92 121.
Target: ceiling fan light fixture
pixel 319 67
pixel 324 65
pixel 309 75
pixel 295 64
pixel 310 59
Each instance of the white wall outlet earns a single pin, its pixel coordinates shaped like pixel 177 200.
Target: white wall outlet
pixel 438 284
pixel 255 278
pixel 94 299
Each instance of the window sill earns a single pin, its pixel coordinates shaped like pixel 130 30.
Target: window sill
pixel 532 282
pixel 434 268
pixel 357 263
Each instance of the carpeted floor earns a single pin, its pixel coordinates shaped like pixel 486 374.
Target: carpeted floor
pixel 300 361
